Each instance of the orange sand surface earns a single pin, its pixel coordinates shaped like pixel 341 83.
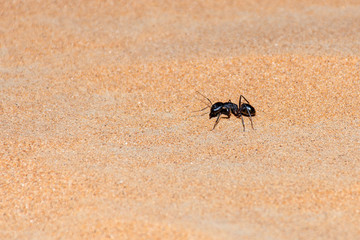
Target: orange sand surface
pixel 99 139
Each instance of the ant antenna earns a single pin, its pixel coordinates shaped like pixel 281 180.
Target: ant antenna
pixel 204 96
pixel 207 105
pixel 202 110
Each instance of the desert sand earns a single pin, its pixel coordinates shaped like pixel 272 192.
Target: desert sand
pixel 99 138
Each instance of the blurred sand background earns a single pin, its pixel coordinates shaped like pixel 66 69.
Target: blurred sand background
pixel 96 136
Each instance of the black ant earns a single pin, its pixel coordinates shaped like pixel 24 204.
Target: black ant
pixel 218 108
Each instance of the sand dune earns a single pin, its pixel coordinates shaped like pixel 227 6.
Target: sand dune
pixel 99 138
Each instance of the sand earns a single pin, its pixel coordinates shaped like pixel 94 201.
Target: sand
pixel 99 138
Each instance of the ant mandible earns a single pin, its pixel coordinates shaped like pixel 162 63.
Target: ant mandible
pixel 218 108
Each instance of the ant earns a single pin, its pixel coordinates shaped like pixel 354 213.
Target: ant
pixel 218 108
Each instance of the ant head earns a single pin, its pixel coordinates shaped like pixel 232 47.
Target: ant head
pixel 212 114
pixel 216 109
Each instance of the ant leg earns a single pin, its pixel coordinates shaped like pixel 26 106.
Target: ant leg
pixel 217 121
pixel 250 118
pixel 228 112
pixel 242 120
pixel 241 96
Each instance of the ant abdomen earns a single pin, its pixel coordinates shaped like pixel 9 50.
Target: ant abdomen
pixel 247 110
